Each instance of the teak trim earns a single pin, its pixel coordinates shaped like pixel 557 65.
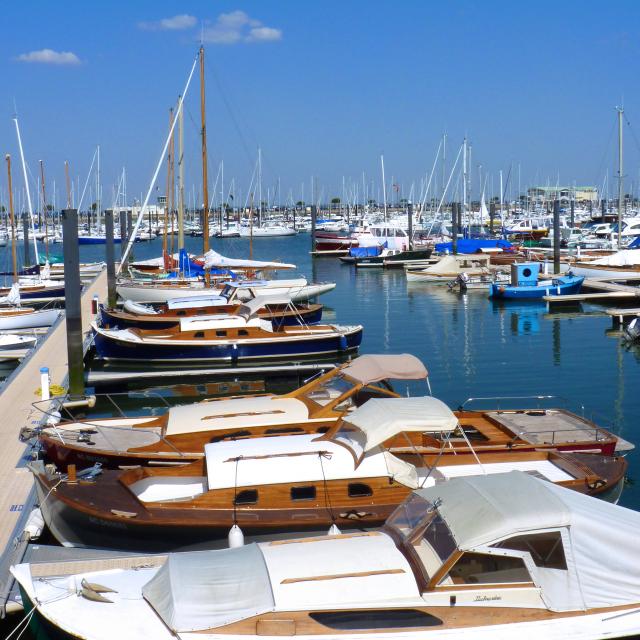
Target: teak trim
pixel 337 576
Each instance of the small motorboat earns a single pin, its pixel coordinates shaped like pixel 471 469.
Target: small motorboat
pixel 526 284
pixel 10 341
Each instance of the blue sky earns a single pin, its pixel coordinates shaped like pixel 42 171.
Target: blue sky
pixel 324 88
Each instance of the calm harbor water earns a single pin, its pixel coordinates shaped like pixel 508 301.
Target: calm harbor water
pixel 471 346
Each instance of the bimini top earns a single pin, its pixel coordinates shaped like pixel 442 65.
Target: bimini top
pixel 379 419
pixel 599 539
pixel 374 368
pixel 249 308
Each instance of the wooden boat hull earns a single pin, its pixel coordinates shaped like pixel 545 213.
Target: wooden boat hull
pixel 282 317
pixel 564 286
pixel 106 514
pixel 344 340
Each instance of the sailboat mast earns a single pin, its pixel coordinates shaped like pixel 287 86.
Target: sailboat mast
pixel 384 187
pixel 14 258
pixel 180 180
pixel 26 186
pixel 620 176
pixel 205 184
pixel 165 231
pixel 464 177
pixel 44 209
pixel 66 174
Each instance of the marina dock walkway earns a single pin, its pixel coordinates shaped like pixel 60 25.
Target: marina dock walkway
pixel 16 397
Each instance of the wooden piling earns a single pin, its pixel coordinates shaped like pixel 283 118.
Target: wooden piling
pixel 73 290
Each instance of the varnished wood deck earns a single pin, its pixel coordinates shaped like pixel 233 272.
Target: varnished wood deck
pixel 16 397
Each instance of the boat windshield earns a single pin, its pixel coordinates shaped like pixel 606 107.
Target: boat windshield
pixel 412 512
pixel 424 531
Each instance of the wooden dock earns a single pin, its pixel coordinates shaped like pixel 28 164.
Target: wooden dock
pixel 16 397
pixel 602 288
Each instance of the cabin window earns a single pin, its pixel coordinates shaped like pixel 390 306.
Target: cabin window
pixel 182 312
pixel 545 548
pixel 359 490
pixel 363 620
pixel 201 312
pixel 246 496
pixel 280 430
pixel 230 436
pixel 198 334
pixel 303 493
pixel 220 333
pixel 243 332
pixel 481 568
pixel 526 272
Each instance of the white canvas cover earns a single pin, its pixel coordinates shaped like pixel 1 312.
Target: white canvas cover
pixel 203 590
pixel 235 413
pixel 13 297
pixel 624 258
pixel 196 302
pixel 599 538
pixel 214 259
pixel 298 458
pixel 138 309
pixel 382 418
pixel 375 368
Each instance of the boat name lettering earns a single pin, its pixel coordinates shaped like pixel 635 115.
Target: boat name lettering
pixel 487 598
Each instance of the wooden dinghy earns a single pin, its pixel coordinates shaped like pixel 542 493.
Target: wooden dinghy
pixel 498 557
pixel 179 436
pixel 274 486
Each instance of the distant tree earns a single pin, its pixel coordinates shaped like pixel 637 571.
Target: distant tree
pixel 2 209
pixel 94 206
pixel 371 201
pixel 404 202
pixel 300 203
pixel 49 207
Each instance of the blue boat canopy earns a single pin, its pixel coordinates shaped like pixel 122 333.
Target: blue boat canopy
pixel 466 245
pixel 366 252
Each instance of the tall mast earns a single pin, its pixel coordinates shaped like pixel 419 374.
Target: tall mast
pixel 44 209
pixel 620 111
pixel 66 174
pixel 259 187
pixel 464 177
pixel 165 231
pixel 180 180
pixel 98 194
pixel 26 186
pixel 384 188
pixel 172 185
pixel 14 258
pixel 205 185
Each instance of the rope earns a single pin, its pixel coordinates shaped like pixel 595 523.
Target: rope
pixel 327 499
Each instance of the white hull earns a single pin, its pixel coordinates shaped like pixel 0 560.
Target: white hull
pixel 582 269
pixel 266 232
pixel 161 294
pixel 29 320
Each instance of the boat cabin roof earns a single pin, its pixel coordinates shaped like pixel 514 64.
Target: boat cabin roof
pixel 196 301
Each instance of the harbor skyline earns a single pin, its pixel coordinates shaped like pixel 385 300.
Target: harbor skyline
pixel 309 85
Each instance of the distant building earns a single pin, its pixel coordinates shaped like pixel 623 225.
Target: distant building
pixel 564 194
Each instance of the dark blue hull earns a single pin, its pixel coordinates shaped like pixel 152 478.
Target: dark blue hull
pixel 278 348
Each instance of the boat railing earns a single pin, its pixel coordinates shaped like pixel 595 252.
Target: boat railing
pixel 600 424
